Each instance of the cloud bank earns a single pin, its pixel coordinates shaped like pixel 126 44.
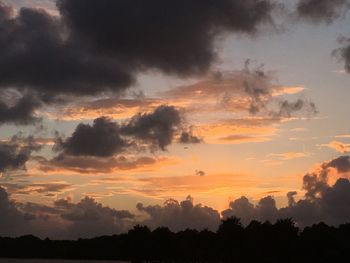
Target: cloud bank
pixel 326 199
pixel 96 47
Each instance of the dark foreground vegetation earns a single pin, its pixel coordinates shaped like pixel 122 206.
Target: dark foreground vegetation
pixel 258 242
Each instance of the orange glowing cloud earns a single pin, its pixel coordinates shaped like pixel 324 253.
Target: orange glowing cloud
pixel 338 146
pixel 288 155
pixel 225 92
pixel 237 131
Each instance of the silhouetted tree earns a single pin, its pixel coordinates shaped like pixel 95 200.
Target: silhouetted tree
pixel 257 242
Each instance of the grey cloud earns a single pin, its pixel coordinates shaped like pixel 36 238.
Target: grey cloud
pixel 21 112
pixel 321 203
pixel 94 165
pixel 101 139
pixel 15 153
pixel 37 58
pixel 242 208
pixel 253 90
pixel 342 164
pixel 36 55
pixel 288 109
pixel 89 218
pixel 63 219
pixel 56 57
pixel 175 37
pixel 322 10
pixel 343 53
pixel 187 137
pixel 5 12
pixel 157 128
pixel 180 216
pixel 106 138
pixel 12 220
pixel 290 196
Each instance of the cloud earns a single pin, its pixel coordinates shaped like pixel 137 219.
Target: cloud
pixel 87 218
pixel 343 53
pixel 48 189
pixel 15 153
pixel 207 107
pixel 236 131
pixel 12 220
pixel 318 11
pixel 213 184
pixel 219 92
pixel 322 201
pixel 288 155
pixel 156 129
pixel 253 91
pixel 101 139
pixel 183 32
pixel 48 5
pixel 287 109
pixel 200 173
pixel 234 91
pixel 113 108
pixel 105 138
pixel 187 137
pixel 341 164
pixel 338 146
pixel 54 54
pixel 63 219
pixel 37 55
pixel 344 136
pixel 96 165
pixel 21 111
pixel 237 139
pixel 181 215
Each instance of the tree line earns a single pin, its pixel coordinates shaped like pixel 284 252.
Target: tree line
pixel 259 242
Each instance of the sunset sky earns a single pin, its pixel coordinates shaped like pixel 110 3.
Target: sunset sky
pixel 113 108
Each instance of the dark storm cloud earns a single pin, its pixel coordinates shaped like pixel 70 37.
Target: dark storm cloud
pixel 322 202
pixel 101 139
pixel 15 153
pixel 176 37
pixel 95 47
pixel 106 138
pixel 322 10
pixel 22 112
pixel 36 54
pixel 157 128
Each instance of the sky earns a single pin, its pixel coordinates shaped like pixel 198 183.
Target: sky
pixel 176 114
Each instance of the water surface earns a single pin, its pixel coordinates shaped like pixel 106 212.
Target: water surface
pixel 10 260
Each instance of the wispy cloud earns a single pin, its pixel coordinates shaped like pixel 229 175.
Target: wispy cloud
pixel 338 146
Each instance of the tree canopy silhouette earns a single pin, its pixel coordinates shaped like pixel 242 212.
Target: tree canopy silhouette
pixel 263 242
